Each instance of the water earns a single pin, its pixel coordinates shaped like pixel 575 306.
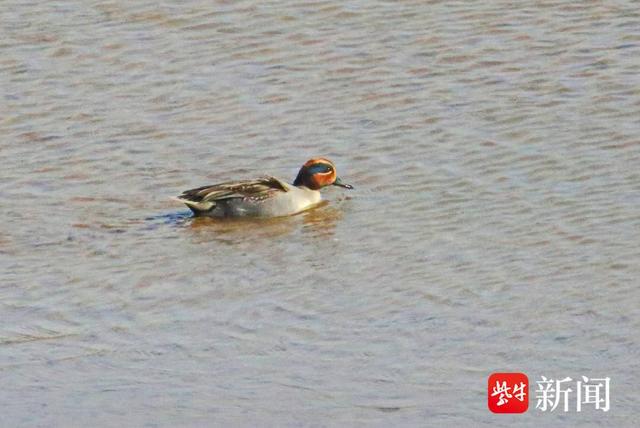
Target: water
pixel 494 226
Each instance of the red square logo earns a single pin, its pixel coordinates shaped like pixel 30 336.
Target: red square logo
pixel 508 393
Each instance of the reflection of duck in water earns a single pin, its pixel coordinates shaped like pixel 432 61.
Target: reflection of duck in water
pixel 321 222
pixel 264 197
pixel 234 230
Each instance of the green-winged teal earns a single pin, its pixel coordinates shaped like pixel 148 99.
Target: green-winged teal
pixel 264 197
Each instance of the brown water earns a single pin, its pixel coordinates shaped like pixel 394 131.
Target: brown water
pixel 495 225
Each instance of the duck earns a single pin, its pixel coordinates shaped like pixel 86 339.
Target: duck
pixel 266 196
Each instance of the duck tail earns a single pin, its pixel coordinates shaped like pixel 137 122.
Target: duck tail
pixel 198 207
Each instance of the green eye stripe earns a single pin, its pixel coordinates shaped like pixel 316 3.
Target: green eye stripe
pixel 319 168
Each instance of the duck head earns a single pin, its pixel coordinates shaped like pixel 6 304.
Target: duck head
pixel 317 173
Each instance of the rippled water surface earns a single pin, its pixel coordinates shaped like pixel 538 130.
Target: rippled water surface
pixel 495 225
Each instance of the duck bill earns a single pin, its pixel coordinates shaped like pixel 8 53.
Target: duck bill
pixel 339 183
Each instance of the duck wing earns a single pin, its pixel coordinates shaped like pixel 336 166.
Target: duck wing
pixel 205 198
